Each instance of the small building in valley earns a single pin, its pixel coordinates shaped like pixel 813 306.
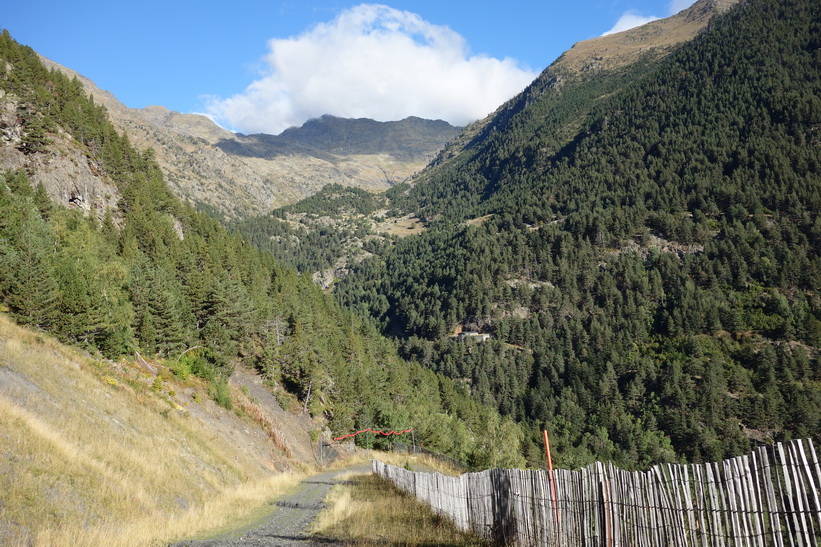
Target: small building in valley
pixel 473 335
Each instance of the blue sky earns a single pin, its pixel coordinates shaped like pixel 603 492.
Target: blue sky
pixel 261 66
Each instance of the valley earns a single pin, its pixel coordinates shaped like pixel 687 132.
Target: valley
pixel 187 313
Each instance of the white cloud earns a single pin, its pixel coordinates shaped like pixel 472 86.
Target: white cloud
pixel 678 5
pixel 629 20
pixel 371 61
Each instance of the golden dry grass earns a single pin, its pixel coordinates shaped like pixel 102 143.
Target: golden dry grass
pixel 367 510
pixel 417 462
pixel 91 454
pixel 230 509
pixel 87 459
pixel 657 38
pixel 251 409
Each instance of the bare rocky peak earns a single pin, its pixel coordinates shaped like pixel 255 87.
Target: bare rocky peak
pixel 240 175
pixel 193 125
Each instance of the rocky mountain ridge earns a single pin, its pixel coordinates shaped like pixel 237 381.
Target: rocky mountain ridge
pixel 238 175
pixel 69 177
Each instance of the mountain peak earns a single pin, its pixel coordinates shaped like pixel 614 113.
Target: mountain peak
pixel 240 175
pixel 655 38
pixel 411 139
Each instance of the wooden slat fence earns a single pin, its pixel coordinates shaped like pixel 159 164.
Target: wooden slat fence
pixel 769 497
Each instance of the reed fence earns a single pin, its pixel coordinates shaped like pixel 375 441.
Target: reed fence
pixel 768 497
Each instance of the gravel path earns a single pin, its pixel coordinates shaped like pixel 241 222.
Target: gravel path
pixel 287 523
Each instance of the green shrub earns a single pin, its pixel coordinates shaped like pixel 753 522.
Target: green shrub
pixel 220 391
pixel 205 363
pixel 181 368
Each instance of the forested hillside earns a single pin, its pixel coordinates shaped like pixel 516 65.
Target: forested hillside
pixel 156 277
pixel 312 234
pixel 643 245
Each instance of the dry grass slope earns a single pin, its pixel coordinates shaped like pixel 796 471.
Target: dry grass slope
pixel 656 38
pixel 89 458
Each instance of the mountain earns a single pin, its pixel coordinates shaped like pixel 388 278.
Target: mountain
pixel 641 241
pixel 169 316
pixel 592 61
pixel 410 140
pixel 318 237
pixel 650 41
pixel 237 176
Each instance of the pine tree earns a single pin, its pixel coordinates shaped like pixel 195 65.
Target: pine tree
pixel 31 290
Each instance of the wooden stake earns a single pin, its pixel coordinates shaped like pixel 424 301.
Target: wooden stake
pixel 552 483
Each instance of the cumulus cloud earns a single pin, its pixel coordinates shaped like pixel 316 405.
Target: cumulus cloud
pixel 631 18
pixel 376 62
pixel 678 5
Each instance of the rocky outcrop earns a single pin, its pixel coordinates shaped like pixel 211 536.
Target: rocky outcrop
pixel 68 175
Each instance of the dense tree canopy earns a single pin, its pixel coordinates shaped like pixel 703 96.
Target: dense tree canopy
pixel 159 278
pixel 645 250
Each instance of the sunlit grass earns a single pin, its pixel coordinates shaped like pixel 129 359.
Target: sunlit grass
pixel 367 510
pixel 87 458
pixel 417 462
pixel 91 454
pixel 230 509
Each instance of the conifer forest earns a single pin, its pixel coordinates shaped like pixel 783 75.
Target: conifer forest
pixel 641 244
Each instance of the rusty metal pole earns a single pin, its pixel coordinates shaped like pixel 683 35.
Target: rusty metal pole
pixel 552 485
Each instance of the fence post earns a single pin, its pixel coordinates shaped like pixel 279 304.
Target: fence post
pixel 552 485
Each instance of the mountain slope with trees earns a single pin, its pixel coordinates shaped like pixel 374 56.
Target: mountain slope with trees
pixel 643 244
pixel 154 276
pixel 326 243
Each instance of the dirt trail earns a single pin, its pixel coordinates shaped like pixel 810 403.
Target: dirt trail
pixel 287 523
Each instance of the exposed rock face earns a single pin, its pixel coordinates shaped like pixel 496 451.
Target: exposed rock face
pixel 68 175
pixel 240 175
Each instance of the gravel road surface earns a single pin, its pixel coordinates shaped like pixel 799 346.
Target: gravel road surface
pixel 287 523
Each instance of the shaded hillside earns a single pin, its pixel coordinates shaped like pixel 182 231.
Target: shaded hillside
pixel 320 235
pixel 643 244
pixel 156 277
pixel 411 139
pixel 558 100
